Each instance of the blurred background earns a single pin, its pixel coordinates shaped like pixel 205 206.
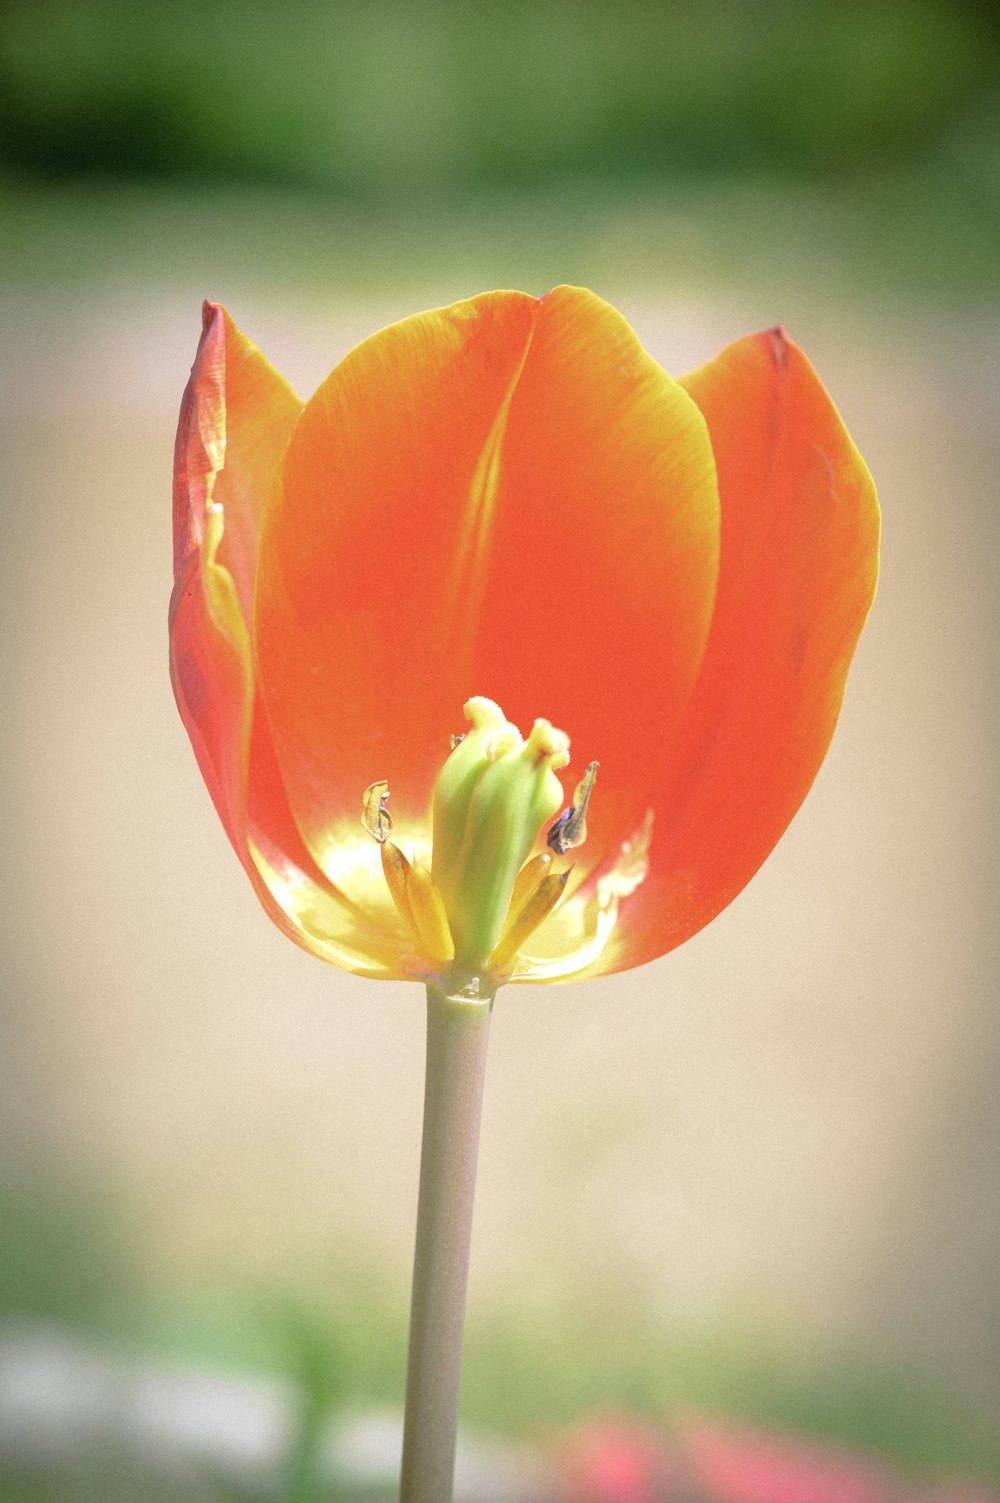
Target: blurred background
pixel 757 1179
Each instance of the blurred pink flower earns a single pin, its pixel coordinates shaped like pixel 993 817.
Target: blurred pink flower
pixel 701 1460
pixel 738 1465
pixel 620 1461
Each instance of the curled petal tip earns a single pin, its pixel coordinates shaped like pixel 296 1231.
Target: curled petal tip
pixel 777 339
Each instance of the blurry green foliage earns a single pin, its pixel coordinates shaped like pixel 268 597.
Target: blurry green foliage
pixel 548 1360
pixel 390 98
pixel 591 1360
pixel 61 1254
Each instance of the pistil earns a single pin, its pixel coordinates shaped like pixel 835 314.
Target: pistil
pixel 485 894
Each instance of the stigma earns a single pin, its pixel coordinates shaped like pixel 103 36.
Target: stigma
pixel 486 889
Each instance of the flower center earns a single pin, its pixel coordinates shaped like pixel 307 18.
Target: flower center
pixel 484 893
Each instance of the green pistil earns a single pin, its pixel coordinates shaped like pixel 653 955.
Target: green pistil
pixel 492 796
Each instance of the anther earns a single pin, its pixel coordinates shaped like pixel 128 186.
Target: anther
pixel 375 814
pixel 570 829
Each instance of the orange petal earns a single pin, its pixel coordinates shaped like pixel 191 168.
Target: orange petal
pixel 506 497
pixel 224 466
pixel 800 529
pixel 604 556
pixel 236 417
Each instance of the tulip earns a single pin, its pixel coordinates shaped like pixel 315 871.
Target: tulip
pixel 507 498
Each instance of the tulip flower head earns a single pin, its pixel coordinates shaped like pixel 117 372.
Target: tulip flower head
pixel 508 502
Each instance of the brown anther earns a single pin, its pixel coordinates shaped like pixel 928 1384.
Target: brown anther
pixel 570 829
pixel 375 815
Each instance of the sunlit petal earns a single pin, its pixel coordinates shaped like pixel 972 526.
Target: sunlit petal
pixel 800 531
pixel 236 417
pixel 505 497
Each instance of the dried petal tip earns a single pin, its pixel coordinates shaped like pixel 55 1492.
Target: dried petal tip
pixel 375 815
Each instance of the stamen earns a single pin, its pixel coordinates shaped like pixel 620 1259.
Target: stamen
pixel 429 917
pixel 396 870
pixel 526 920
pixel 527 880
pixel 570 829
pixel 375 815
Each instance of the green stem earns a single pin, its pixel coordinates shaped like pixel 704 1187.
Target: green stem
pixel 457 1034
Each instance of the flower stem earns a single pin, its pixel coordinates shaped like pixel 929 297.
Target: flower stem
pixel 457 1034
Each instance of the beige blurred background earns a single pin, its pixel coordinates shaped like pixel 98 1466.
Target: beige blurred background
pixel 794 1121
pixel 799 1108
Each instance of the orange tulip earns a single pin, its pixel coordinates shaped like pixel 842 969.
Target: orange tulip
pixel 510 498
